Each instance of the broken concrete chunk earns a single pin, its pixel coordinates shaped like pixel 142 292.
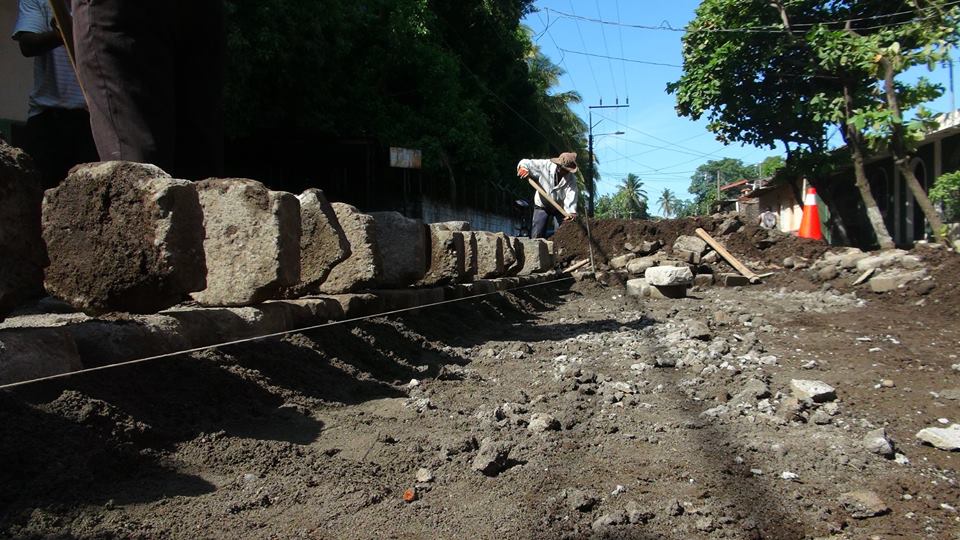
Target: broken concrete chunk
pixel 884 258
pixel 252 241
pixel 892 280
pixel 542 422
pixel 818 391
pixel 123 237
pixel 536 256
pixel 621 261
pixel 668 275
pixel 490 250
pixel 863 504
pixel 363 266
pixel 878 443
pixel 402 243
pixel 323 243
pixel 942 438
pixel 693 244
pixel 492 457
pixel 22 250
pixel 447 254
pixel 638 287
pixel 639 266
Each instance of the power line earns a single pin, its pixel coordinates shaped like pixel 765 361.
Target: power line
pixel 773 29
pixel 606 49
pixel 584 44
pixel 623 64
pixel 647 62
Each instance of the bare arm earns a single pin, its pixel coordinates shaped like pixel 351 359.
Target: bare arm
pixel 34 44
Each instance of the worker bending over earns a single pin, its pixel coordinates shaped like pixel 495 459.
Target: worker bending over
pixel 556 177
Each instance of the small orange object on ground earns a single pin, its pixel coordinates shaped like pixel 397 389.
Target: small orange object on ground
pixel 410 495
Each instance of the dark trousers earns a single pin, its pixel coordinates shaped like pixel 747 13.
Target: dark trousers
pixel 541 217
pixel 58 139
pixel 153 75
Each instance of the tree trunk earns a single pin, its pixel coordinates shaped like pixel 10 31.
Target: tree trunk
pixel 854 140
pixel 899 149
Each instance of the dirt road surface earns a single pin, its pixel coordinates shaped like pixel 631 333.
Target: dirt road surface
pixel 568 411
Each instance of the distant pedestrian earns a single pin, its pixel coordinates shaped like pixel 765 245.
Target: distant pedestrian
pixel 767 219
pixel 58 125
pixel 557 177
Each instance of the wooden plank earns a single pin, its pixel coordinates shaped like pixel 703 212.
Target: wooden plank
pixel 718 247
pixel 61 13
pixel 576 266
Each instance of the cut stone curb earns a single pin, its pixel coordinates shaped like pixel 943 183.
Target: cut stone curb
pixel 33 353
pixel 536 256
pixel 402 243
pixel 323 244
pixel 123 237
pixel 490 250
pixel 22 249
pixel 363 266
pixel 447 257
pixel 252 242
pixel 512 254
pixel 470 256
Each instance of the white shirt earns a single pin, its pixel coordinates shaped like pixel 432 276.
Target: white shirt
pixel 54 81
pixel 564 191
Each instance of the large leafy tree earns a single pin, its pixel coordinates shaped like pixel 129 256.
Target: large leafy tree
pixel 703 183
pixel 461 80
pixel 809 64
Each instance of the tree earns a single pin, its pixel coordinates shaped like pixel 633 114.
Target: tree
pixel 634 196
pixel 804 70
pixel 667 202
pixel 703 183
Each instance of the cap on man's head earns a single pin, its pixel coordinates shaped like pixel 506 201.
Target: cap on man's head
pixel 567 160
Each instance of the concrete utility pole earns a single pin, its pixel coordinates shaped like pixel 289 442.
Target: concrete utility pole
pixel 591 173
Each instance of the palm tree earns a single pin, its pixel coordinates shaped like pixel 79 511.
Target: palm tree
pixel 667 202
pixel 632 190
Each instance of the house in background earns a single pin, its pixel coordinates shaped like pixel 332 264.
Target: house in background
pixel 936 154
pixel 750 198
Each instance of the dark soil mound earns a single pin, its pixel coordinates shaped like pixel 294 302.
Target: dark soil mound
pixel 750 242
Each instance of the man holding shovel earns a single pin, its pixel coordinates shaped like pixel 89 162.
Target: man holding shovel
pixel 556 186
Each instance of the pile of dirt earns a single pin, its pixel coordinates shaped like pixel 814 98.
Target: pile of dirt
pixel 748 242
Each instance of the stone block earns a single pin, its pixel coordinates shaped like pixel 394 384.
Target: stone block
pixel 693 244
pixel 688 257
pixel 640 265
pixel 732 280
pixel 363 266
pixel 360 305
pixel 638 287
pixel 512 254
pixel 490 250
pixel 703 280
pixel 621 261
pixel 32 353
pixel 818 391
pixel 947 438
pixel 668 275
pixel 447 256
pixel 883 259
pixel 323 243
pixel 402 243
pixel 536 256
pixel 892 280
pixel 123 237
pixel 22 250
pixel 469 270
pixel 668 291
pixel 252 241
pixel 455 226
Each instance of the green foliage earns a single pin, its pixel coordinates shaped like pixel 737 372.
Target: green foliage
pixel 946 192
pixel 461 80
pixel 667 203
pixel 629 202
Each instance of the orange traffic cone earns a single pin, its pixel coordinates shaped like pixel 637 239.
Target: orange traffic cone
pixel 810 224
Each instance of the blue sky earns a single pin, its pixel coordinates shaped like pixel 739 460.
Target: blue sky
pixel 660 147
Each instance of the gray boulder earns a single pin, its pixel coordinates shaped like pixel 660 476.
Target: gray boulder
pixel 323 243
pixel 22 250
pixel 403 248
pixel 363 266
pixel 252 241
pixel 123 237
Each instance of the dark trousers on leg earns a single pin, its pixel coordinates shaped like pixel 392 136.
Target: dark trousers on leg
pixel 153 75
pixel 541 218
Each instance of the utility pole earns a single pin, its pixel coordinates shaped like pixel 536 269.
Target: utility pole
pixel 719 198
pixel 591 176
